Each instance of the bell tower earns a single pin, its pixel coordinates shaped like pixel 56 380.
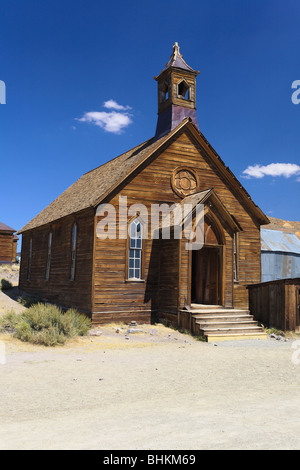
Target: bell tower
pixel 176 86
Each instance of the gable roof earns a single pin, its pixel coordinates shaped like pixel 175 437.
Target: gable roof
pixel 6 228
pixel 180 217
pixel 94 186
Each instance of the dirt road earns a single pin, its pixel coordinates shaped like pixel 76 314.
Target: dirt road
pixel 150 392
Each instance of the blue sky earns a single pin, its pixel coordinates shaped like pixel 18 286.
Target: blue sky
pixel 61 60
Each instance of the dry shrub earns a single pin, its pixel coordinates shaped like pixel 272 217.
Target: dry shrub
pixel 46 324
pixel 5 284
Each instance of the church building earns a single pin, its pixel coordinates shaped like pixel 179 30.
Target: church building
pixel 129 274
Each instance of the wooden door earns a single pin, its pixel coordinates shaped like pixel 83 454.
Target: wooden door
pixel 298 309
pixel 206 276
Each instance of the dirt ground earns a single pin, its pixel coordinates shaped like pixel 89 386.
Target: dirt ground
pixel 8 298
pixel 149 392
pixel 156 389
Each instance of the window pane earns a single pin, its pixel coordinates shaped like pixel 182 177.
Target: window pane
pixel 29 259
pixel 133 243
pixel 131 273
pixel 48 257
pixel 132 230
pixel 74 237
pixel 137 274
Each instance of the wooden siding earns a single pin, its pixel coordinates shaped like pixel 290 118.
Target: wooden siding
pixel 115 298
pixel 14 251
pixel 59 288
pixel 275 303
pixel 6 247
pixel 101 286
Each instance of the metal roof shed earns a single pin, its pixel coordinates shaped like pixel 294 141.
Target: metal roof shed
pixel 280 257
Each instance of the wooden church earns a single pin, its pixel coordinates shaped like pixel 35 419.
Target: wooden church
pixel 146 279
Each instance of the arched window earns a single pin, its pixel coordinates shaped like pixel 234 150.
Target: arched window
pixel 236 257
pixel 135 249
pixel 73 252
pixel 48 256
pixel 29 259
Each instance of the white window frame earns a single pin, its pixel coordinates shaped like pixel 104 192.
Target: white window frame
pixel 135 251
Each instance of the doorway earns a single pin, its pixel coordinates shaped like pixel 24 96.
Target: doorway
pixel 206 276
pixel 207 266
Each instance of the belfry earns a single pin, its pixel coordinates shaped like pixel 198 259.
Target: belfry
pixel 176 85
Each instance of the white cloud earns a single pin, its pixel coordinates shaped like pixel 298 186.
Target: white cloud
pixel 112 104
pixel 273 169
pixel 110 122
pixel 114 121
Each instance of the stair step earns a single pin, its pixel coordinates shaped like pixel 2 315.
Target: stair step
pixel 230 311
pixel 217 323
pixel 200 306
pixel 237 329
pixel 223 317
pixel 226 324
pixel 234 336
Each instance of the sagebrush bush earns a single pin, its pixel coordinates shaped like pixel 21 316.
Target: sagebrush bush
pixel 9 321
pixel 46 324
pixel 5 284
pixel 27 300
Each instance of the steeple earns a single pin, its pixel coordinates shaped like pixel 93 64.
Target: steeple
pixel 176 86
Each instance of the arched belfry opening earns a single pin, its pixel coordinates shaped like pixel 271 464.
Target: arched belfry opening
pixel 183 90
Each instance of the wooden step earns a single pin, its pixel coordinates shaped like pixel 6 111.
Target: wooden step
pixel 220 317
pixel 217 323
pixel 226 324
pixel 229 330
pixel 221 311
pixel 213 338
pixel 207 307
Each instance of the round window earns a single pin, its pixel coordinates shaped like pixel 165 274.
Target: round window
pixel 184 182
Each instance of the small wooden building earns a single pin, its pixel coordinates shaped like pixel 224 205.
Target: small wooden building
pixel 137 277
pixel 277 303
pixel 280 250
pixel 8 244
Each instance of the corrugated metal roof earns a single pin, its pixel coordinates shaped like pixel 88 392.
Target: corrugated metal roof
pixel 274 240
